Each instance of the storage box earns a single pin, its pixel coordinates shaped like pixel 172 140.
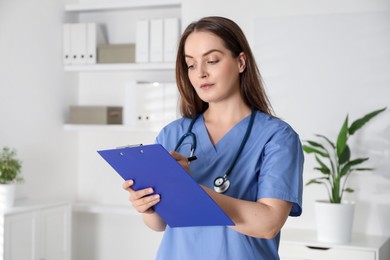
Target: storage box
pixel 116 53
pixel 103 115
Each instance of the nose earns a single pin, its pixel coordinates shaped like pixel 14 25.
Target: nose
pixel 202 71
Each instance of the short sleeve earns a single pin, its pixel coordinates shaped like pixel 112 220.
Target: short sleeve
pixel 281 169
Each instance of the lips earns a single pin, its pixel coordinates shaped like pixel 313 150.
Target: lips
pixel 206 86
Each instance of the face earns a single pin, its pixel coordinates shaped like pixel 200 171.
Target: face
pixel 212 70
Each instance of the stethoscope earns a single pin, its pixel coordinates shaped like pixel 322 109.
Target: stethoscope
pixel 221 183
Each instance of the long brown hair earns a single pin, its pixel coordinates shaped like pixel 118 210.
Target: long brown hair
pixel 251 85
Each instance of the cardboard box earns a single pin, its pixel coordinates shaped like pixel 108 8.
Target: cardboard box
pixel 116 53
pixel 99 115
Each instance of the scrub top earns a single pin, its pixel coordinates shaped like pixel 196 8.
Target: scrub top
pixel 270 166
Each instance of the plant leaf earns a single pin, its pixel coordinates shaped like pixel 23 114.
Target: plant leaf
pixel 324 168
pixel 357 124
pixel 342 138
pixel 363 169
pixel 349 190
pixel 345 170
pixel 316 181
pixel 358 161
pixel 309 149
pixel 347 167
pixel 345 155
pixel 327 139
pixel 315 144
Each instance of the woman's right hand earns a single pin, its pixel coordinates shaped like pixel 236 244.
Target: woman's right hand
pixel 142 200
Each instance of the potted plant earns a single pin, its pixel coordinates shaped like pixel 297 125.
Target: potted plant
pixel 335 164
pixel 10 174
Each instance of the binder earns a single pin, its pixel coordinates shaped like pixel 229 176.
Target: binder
pixel 171 37
pixel 78 43
pixel 156 40
pixel 95 37
pixel 130 105
pixel 66 42
pixel 150 104
pixel 171 100
pixel 142 41
pixel 183 202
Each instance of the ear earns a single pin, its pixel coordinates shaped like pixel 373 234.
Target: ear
pixel 242 62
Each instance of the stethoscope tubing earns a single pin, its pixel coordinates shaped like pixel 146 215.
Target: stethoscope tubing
pixel 219 186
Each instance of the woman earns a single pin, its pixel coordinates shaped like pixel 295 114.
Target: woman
pixel 223 96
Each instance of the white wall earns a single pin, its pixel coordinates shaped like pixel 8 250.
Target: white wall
pixel 32 97
pixel 304 104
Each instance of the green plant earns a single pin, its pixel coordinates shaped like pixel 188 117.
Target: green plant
pixel 334 159
pixel 10 167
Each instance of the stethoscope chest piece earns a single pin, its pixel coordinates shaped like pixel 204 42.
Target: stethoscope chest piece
pixel 221 184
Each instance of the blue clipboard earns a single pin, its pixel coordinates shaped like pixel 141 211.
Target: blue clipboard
pixel 183 202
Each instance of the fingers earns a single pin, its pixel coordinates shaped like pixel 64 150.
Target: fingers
pixel 145 204
pixel 178 156
pixel 127 184
pixel 182 160
pixel 142 200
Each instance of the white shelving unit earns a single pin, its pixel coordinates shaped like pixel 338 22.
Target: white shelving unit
pixel 119 18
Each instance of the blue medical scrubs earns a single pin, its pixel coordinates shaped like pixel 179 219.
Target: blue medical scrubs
pixel 270 166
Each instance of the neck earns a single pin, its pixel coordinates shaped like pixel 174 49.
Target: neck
pixel 226 114
pixel 221 119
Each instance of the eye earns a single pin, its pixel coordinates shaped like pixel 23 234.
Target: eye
pixel 191 66
pixel 213 61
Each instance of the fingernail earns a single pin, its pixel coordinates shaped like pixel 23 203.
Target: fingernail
pixel 157 196
pixel 130 182
pixel 150 190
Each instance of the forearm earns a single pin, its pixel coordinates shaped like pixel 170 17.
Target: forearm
pixel 154 221
pixel 262 219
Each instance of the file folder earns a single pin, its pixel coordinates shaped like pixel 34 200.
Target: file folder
pixel 171 38
pixel 156 40
pixel 183 202
pixel 142 41
pixel 66 43
pixel 78 43
pixel 95 37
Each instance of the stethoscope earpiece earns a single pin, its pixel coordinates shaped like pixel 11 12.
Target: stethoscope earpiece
pixel 221 184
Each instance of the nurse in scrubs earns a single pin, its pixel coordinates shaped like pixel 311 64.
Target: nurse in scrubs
pixel 239 144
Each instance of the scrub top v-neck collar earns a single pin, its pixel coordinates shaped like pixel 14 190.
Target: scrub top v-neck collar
pixel 205 144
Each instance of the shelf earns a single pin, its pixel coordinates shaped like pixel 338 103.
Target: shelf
pixel 121 67
pixel 80 127
pixel 96 208
pixel 24 205
pixel 116 5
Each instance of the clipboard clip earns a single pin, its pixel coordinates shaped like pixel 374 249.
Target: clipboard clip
pixel 128 146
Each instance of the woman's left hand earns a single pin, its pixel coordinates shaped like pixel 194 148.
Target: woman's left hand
pixel 182 160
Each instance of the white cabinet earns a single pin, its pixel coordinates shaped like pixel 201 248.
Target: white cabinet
pixel 19 236
pixel 37 232
pixel 303 245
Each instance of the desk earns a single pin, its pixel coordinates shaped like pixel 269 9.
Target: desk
pixel 301 244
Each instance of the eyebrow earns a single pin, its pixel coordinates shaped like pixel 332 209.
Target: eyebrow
pixel 205 54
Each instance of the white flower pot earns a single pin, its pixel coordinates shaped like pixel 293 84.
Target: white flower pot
pixel 7 195
pixel 334 221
